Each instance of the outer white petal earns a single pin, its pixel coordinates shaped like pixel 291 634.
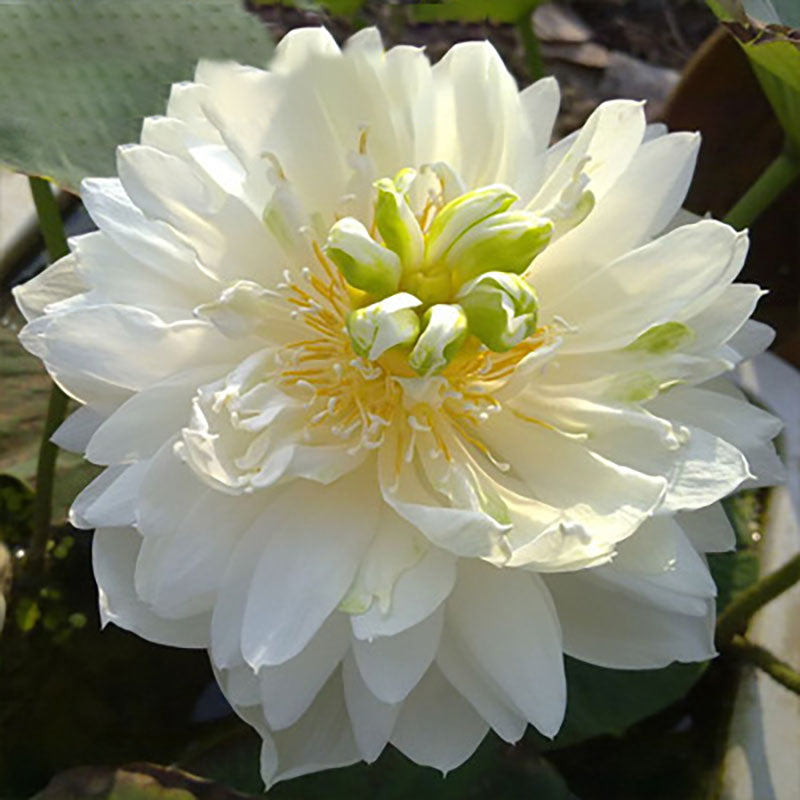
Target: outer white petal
pixel 78 428
pixel 287 690
pixel 180 568
pixel 392 665
pixel 60 281
pixel 114 554
pixel 373 721
pixel 639 205
pixel 110 499
pixel 601 503
pixel 507 623
pixel 627 620
pixel 740 423
pixel 155 414
pixel 708 529
pixel 437 727
pixel 321 739
pixel 680 582
pixel 306 566
pixel 649 286
pixel 477 686
pixel 113 344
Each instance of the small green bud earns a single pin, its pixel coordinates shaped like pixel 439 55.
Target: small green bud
pixel 397 224
pixel 506 242
pixel 444 331
pixel 376 328
pixel 459 215
pixel 501 309
pixel 364 263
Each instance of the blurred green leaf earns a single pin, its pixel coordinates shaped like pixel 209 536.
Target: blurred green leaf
pixel 499 11
pixel 339 8
pixel 78 76
pixel 27 614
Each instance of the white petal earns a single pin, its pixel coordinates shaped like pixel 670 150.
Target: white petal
pixel 539 104
pixel 139 427
pixel 681 582
pixel 234 586
pixel 372 720
pixel 180 568
pixel 708 529
pixel 463 532
pixel 751 339
pixel 486 697
pixel 506 621
pixel 321 739
pixel 612 629
pixel 392 665
pixel 307 564
pixel 602 503
pixel 612 305
pixel 287 690
pixel 740 423
pixel 77 429
pixel 114 554
pixel 437 727
pixel 396 548
pixel 115 344
pixel 639 205
pixel 58 282
pixel 478 111
pixel 110 499
pixel 609 139
pixel 240 686
pixel 419 591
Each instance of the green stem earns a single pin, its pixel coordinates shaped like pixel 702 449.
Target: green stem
pixel 772 182
pixel 530 44
pixel 55 240
pixel 762 658
pixel 736 616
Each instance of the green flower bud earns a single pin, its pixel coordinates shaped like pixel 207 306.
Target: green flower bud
pixel 362 261
pixel 444 331
pixel 501 309
pixel 390 322
pixel 397 224
pixel 506 242
pixel 459 215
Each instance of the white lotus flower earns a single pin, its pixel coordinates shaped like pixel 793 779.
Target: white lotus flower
pixel 383 529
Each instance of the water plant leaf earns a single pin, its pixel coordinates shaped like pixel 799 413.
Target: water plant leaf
pixel 498 11
pixel 774 52
pixel 133 782
pixel 78 76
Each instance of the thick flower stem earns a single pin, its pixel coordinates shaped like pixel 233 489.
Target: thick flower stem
pixel 738 613
pixel 55 240
pixel 530 44
pixel 762 658
pixel 772 182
